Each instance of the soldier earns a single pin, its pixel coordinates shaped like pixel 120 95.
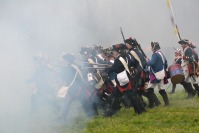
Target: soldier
pixel 141 69
pixel 195 68
pixel 178 60
pixel 93 75
pixel 132 46
pixel 158 66
pixel 124 82
pixel 77 89
pixel 188 65
pixel 43 91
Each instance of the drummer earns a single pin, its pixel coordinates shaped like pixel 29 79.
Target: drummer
pixel 177 60
pixel 194 67
pixel 187 59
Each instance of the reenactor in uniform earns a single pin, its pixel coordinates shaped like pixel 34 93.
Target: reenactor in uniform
pixel 43 91
pixel 195 68
pixel 141 70
pixel 178 60
pixel 96 80
pixel 124 82
pixel 94 75
pixel 132 46
pixel 189 59
pixel 77 88
pixel 158 65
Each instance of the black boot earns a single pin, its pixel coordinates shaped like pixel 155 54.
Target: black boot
pixel 140 102
pixel 196 88
pixel 126 101
pixel 112 104
pixel 156 100
pixel 184 84
pixel 108 111
pixel 190 90
pixel 141 93
pixel 111 107
pixel 173 88
pixel 150 95
pixel 136 101
pixel 165 97
pixel 143 102
pixel 115 105
pixel 136 105
pixel 145 94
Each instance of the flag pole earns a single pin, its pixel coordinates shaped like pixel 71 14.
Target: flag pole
pixel 173 20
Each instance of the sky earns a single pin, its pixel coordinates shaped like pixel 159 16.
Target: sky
pixel 57 26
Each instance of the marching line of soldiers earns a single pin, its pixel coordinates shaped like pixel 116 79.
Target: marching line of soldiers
pixel 122 75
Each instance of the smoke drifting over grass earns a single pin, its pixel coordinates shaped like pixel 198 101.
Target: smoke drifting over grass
pixel 27 26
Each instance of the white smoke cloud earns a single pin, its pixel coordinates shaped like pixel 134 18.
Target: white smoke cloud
pixel 65 25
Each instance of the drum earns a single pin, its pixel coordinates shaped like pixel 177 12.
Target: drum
pixel 176 73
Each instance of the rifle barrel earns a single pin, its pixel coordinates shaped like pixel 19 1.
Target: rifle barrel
pixel 95 67
pixel 122 35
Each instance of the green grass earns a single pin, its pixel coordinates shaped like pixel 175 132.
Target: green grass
pixel 182 116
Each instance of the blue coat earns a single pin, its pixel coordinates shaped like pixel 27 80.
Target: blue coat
pixel 156 63
pixel 189 55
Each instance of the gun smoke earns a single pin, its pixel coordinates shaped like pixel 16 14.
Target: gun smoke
pixel 53 27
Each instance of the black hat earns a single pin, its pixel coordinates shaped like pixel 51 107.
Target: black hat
pixel 155 45
pixel 131 41
pixel 184 41
pixel 119 47
pixel 85 50
pixel 69 57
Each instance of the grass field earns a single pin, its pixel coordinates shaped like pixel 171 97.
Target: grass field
pixel 182 116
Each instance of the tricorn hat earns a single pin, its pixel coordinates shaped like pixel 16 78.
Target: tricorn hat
pixel 184 41
pixel 85 50
pixel 131 41
pixel 69 57
pixel 155 45
pixel 119 47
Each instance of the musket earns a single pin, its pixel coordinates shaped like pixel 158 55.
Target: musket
pixel 139 47
pixel 94 67
pixel 104 51
pixel 60 65
pixel 85 67
pixel 175 49
pixel 122 35
pixel 108 65
pixel 173 20
pixel 98 64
